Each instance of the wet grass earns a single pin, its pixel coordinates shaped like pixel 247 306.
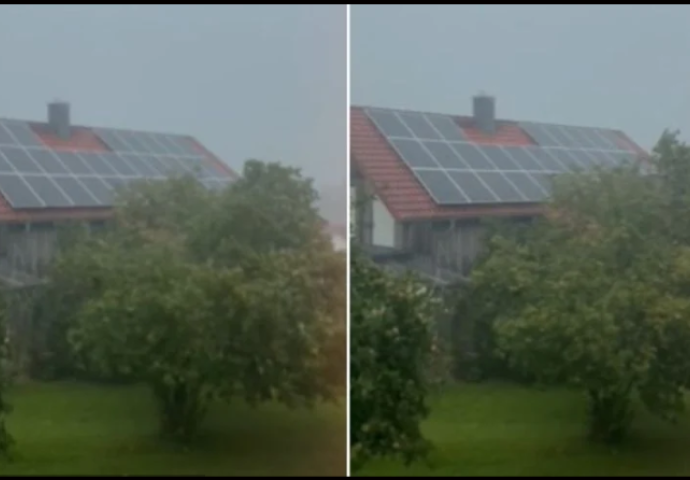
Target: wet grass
pixel 515 431
pixel 80 429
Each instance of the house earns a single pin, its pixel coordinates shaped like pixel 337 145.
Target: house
pixel 52 172
pixel 421 182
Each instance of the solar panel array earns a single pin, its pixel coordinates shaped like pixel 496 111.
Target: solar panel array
pixel 547 135
pixel 33 176
pixel 457 172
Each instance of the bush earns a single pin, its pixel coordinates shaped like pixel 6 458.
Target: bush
pixel 391 362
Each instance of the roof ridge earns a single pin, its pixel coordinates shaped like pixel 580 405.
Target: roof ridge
pixel 95 127
pixel 501 120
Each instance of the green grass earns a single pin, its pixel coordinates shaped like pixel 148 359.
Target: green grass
pixel 508 430
pixel 78 429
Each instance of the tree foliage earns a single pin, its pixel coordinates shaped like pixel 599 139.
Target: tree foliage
pixel 210 295
pixel 596 294
pixel 6 440
pixel 392 346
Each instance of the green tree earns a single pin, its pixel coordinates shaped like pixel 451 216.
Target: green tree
pixel 595 295
pixel 198 295
pixel 392 346
pixel 6 440
pixel 276 208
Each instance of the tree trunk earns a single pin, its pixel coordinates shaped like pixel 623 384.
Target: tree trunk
pixel 181 408
pixel 610 415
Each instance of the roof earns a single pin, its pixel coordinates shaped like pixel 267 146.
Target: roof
pixel 398 183
pixel 47 177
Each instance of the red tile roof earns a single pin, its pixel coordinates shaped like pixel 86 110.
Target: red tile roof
pixel 82 139
pixel 406 199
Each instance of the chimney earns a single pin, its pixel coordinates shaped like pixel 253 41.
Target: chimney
pixel 484 111
pixel 58 119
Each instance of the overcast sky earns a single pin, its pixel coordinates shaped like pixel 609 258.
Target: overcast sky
pixel 265 82
pixel 626 67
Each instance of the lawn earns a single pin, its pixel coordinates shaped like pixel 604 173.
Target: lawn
pixel 508 430
pixel 78 429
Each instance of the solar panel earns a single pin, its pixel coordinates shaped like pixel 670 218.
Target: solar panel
pixel 610 137
pixel 600 158
pixel 22 133
pixel 34 176
pixel 564 136
pixel 571 137
pixel 133 141
pixel 419 126
pixel 73 163
pixel 570 163
pixel 96 163
pixel 143 142
pixel 582 158
pixel 389 124
pixel 98 189
pixel 173 146
pixel 524 159
pixel 539 134
pixel 442 188
pixel 159 145
pixel 473 156
pixel 544 181
pixel 546 160
pixel 178 166
pixel 161 152
pixel 154 165
pixel 501 187
pixel 115 184
pixel 112 139
pixel 448 129
pixel 584 138
pixel 474 187
pixel 20 160
pixel 48 191
pixel 527 185
pixel 499 158
pixel 413 153
pixel 50 163
pixel 5 166
pixel 158 164
pixel 6 137
pixel 77 191
pixel 445 155
pixel 140 166
pixel 118 164
pixel 456 172
pixel 18 193
pixel 185 144
pixel 41 178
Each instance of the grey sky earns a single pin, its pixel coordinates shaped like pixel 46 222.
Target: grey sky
pixel 266 82
pixel 625 67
